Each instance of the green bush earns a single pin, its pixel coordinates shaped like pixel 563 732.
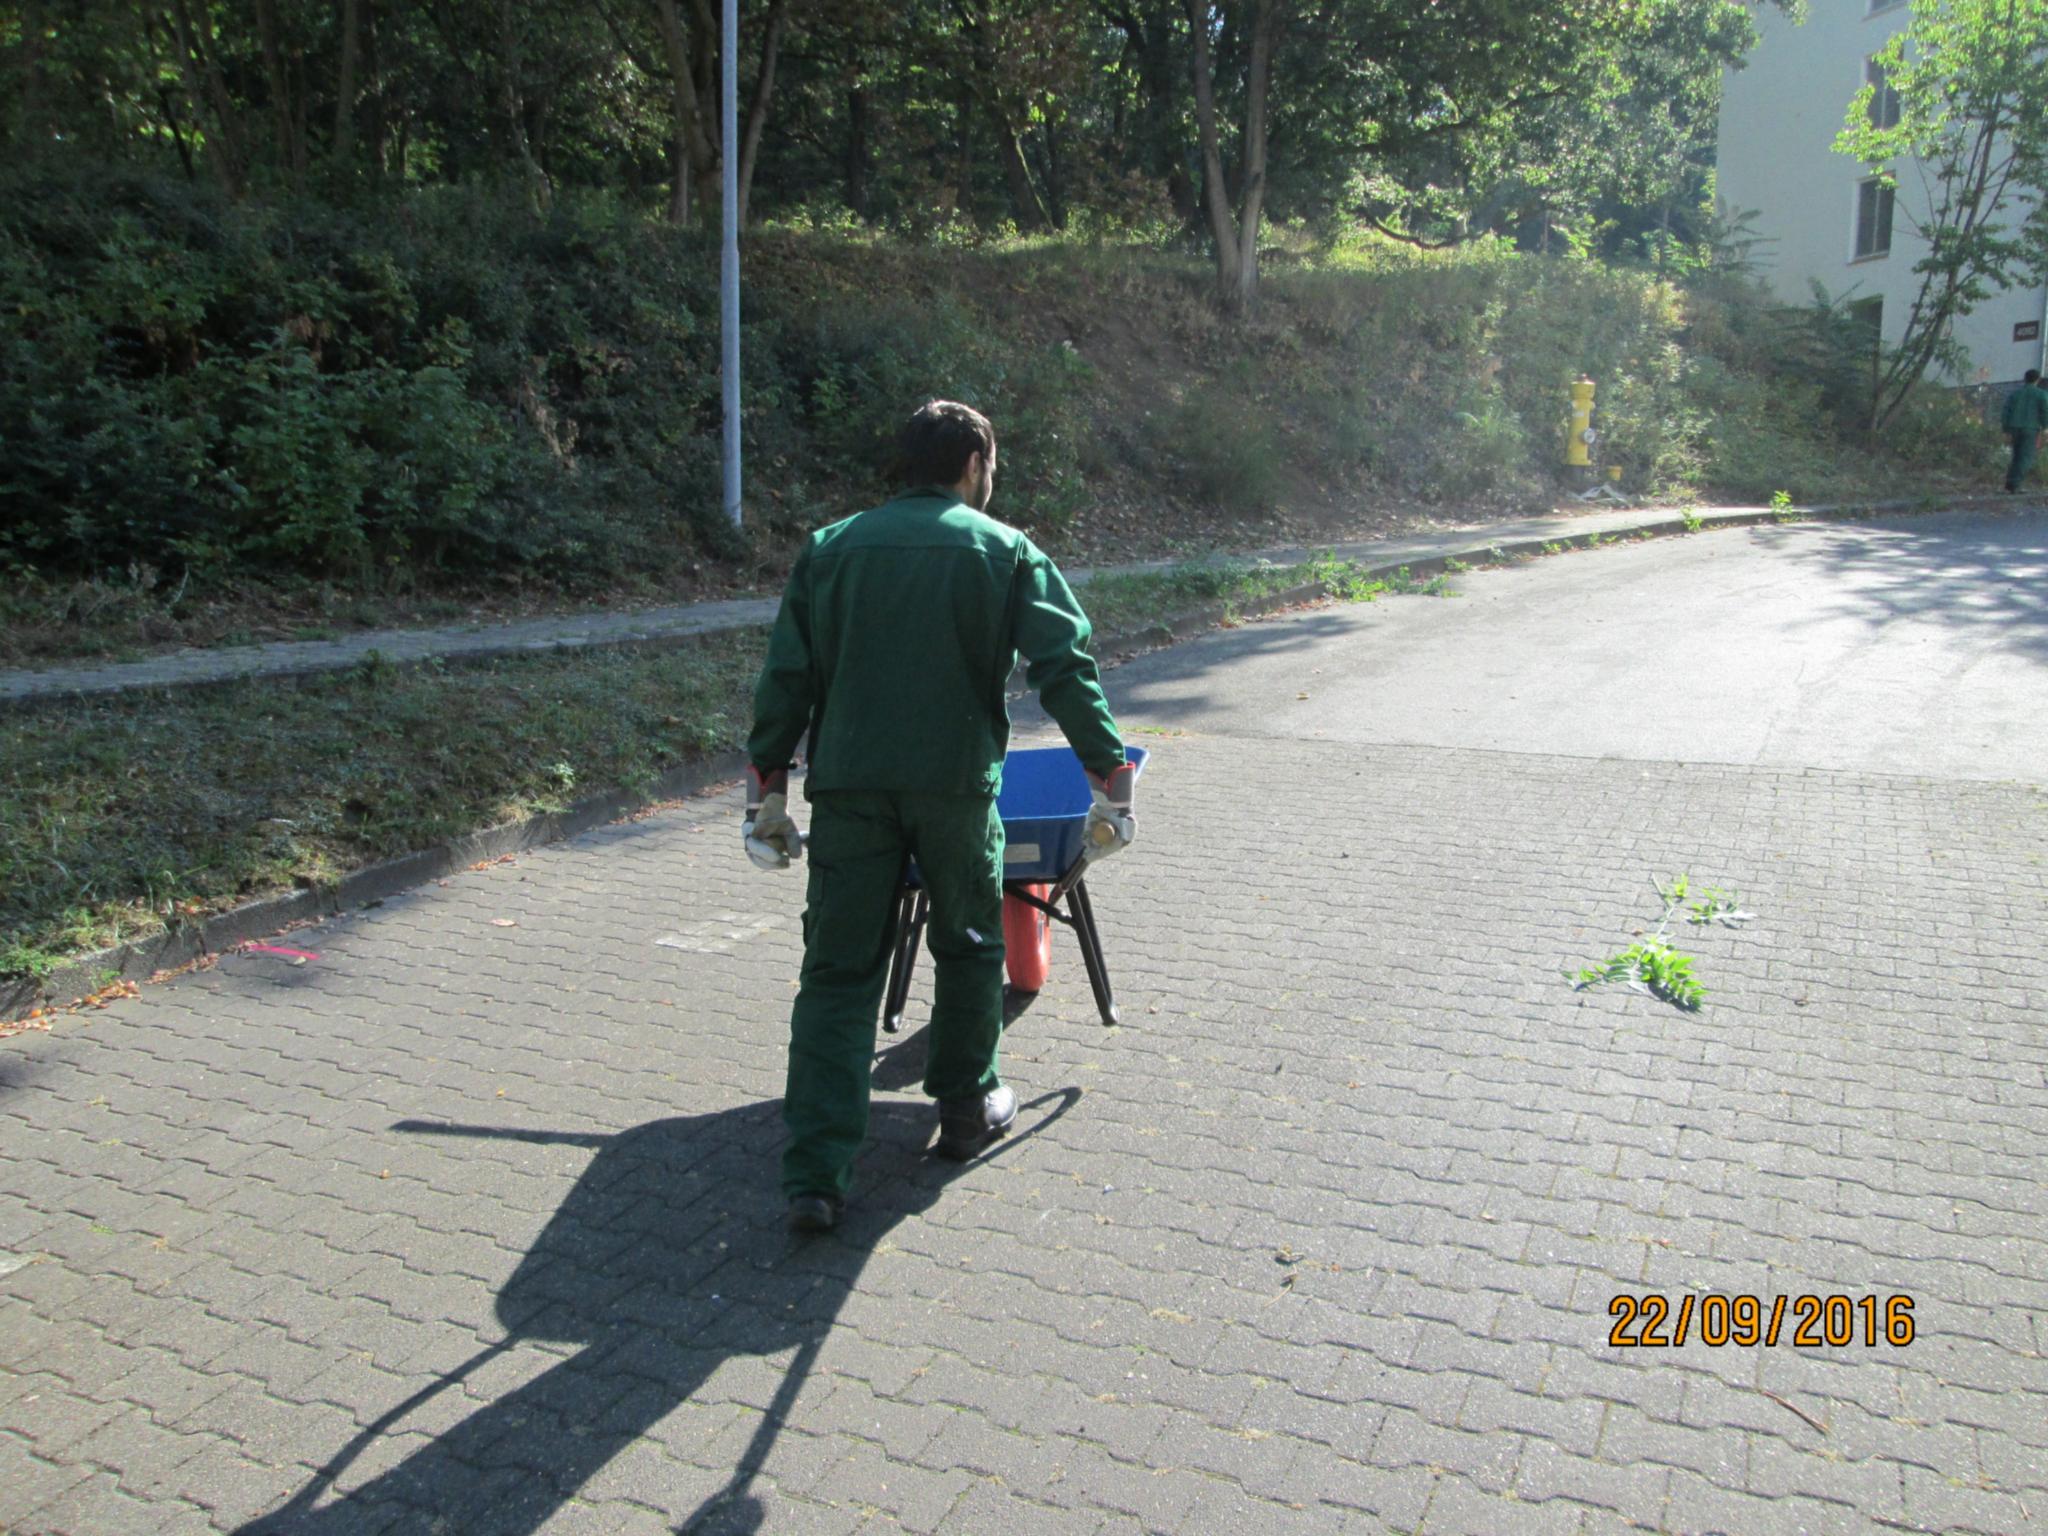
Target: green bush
pixel 1221 446
pixel 856 368
pixel 446 388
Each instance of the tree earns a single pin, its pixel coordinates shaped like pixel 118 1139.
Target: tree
pixel 1235 229
pixel 1622 158
pixel 1971 83
pixel 1442 118
pixel 688 58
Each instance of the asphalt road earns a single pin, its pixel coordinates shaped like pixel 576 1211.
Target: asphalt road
pixel 1915 646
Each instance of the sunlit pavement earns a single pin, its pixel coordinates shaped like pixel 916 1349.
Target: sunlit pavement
pixel 468 1222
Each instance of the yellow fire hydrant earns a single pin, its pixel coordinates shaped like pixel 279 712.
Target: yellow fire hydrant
pixel 1578 444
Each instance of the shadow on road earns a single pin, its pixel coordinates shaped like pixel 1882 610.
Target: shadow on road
pixel 17 1073
pixel 1165 678
pixel 666 1259
pixel 1986 573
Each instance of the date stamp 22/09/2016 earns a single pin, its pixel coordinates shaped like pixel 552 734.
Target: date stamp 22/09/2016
pixel 1654 1321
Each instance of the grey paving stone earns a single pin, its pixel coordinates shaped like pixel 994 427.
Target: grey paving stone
pixel 31 1481
pixel 1459 1508
pixel 1089 1331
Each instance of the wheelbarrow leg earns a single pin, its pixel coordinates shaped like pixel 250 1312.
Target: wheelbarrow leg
pixel 1083 911
pixel 910 920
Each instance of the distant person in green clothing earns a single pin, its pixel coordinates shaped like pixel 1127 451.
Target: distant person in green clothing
pixel 2024 418
pixel 896 634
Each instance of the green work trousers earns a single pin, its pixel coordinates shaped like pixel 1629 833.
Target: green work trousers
pixel 2023 447
pixel 856 849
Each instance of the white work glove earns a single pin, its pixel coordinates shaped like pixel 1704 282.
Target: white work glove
pixel 1111 821
pixel 770 835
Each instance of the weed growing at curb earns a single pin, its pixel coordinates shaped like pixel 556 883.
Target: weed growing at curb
pixel 1350 582
pixel 1693 521
pixel 1401 584
pixel 1782 509
pixel 1651 964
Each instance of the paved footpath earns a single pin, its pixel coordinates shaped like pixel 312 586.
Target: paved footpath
pixel 468 1224
pixel 282 658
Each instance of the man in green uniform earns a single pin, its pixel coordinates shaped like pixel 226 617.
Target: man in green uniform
pixel 896 634
pixel 2024 417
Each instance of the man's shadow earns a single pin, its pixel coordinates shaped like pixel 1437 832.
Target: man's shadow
pixel 668 1258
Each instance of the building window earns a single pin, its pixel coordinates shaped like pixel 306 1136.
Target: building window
pixel 1884 101
pixel 1873 219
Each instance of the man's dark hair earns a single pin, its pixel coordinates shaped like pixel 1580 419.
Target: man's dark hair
pixel 938 440
pixel 2033 376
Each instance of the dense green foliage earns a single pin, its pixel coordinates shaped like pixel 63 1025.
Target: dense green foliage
pixel 423 296
pixel 463 389
pixel 1451 116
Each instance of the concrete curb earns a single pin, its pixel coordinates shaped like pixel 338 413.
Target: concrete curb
pixel 267 915
pixel 365 887
pixel 142 958
pixel 417 647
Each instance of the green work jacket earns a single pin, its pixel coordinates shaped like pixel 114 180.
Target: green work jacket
pixel 897 632
pixel 2026 409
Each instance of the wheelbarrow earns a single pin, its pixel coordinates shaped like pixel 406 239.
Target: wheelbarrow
pixel 1044 806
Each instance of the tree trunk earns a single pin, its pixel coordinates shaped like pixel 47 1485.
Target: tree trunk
pixel 963 175
pixel 1222 229
pixel 374 82
pixel 857 151
pixel 757 114
pixel 1024 199
pixel 1252 206
pixel 169 106
pixel 227 160
pixel 167 102
pixel 1236 236
pixel 22 124
pixel 512 104
pixel 289 160
pixel 695 152
pixel 1055 173
pixel 302 97
pixel 706 37
pixel 1025 202
pixel 1163 151
pixel 344 137
pixel 1968 200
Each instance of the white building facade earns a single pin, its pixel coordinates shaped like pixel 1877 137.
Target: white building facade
pixel 1818 215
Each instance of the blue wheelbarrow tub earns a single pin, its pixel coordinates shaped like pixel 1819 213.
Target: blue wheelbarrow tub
pixel 1044 806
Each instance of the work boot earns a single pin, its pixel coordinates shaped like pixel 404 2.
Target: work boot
pixel 813 1213
pixel 968 1125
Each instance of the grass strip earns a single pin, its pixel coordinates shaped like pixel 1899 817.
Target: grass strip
pixel 1128 603
pixel 122 815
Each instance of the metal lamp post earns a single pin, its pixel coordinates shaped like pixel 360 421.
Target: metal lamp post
pixel 729 259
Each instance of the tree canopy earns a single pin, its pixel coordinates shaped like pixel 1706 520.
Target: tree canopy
pixel 1436 119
